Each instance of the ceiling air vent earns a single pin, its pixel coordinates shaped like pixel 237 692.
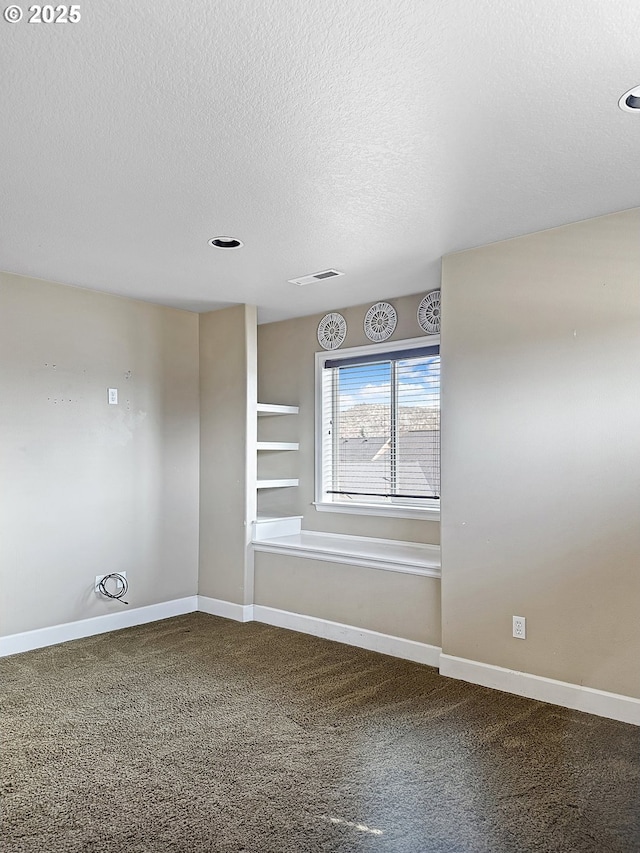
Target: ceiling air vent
pixel 316 276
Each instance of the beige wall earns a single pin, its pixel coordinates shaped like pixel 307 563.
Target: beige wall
pixel 227 452
pixel 541 453
pixel 401 605
pixel 286 374
pixel 88 488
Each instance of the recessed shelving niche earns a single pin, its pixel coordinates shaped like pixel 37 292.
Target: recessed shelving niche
pixel 271 410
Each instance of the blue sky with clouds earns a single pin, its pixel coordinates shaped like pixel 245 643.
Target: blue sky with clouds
pixel 418 383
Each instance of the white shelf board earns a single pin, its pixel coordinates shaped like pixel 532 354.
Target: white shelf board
pixel 266 528
pixel 260 518
pixel 276 484
pixel 274 409
pixel 277 445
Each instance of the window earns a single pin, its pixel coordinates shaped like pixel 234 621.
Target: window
pixel 378 428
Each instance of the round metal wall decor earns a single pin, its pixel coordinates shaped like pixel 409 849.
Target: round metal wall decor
pixel 332 330
pixel 380 321
pixel 429 313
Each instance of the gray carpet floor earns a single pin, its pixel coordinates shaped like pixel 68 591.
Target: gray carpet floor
pixel 201 734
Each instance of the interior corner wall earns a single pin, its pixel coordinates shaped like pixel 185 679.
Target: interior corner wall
pixel 89 488
pixel 541 453
pixel 227 452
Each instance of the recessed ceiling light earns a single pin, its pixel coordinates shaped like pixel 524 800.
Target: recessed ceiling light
pixel 225 243
pixel 630 101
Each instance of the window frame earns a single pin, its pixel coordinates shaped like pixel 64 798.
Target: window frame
pixel 430 509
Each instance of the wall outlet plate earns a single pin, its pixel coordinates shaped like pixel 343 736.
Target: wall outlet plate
pixel 113 587
pixel 520 627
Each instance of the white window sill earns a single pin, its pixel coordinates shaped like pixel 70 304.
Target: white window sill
pixel 395 511
pixel 387 554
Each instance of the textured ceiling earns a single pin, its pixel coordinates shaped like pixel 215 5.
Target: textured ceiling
pixel 372 137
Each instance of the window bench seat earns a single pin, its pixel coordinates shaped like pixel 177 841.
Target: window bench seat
pixel 387 554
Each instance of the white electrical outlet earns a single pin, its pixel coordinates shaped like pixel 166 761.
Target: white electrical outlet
pixel 114 585
pixel 113 396
pixel 520 627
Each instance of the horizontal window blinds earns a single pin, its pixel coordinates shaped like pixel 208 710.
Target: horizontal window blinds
pixel 382 426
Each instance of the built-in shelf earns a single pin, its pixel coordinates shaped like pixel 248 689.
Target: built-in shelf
pixel 276 484
pixel 275 526
pixel 278 445
pixel 268 518
pixel 274 409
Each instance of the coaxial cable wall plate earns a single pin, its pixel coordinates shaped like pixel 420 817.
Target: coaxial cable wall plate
pixel 114 584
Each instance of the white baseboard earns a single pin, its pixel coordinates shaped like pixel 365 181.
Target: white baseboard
pixel 626 709
pixel 126 618
pixel 226 609
pixel 362 637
